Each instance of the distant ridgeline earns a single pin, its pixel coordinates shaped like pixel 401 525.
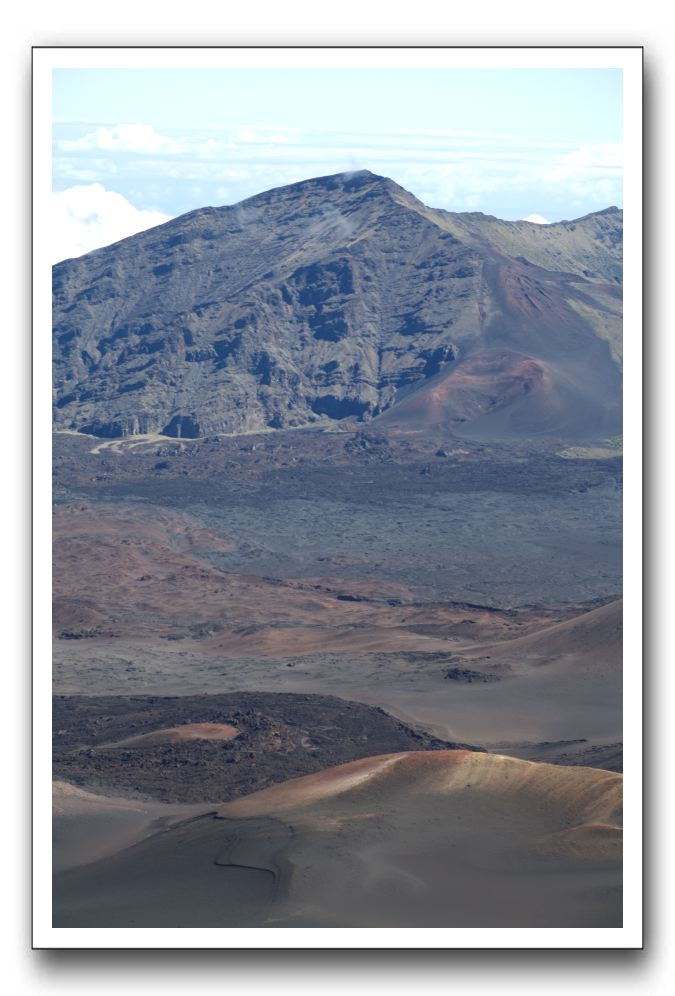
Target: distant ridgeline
pixel 343 299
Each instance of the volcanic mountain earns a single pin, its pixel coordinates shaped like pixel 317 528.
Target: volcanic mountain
pixel 343 298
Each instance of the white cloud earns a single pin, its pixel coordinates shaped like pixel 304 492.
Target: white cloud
pixel 123 138
pixel 445 169
pixel 537 219
pixel 87 217
pixel 591 156
pixel 247 135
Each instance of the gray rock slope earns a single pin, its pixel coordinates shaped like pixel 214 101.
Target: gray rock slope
pixel 342 298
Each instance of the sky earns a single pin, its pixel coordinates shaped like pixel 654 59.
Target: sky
pixel 135 147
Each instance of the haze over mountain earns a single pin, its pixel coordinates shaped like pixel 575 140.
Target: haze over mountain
pixel 343 298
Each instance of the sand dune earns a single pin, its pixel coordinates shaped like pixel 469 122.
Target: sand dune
pixel 445 838
pixel 178 734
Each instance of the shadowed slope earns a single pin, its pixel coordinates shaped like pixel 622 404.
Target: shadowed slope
pixel 87 827
pixel 597 633
pixel 589 644
pixel 444 839
pixel 564 681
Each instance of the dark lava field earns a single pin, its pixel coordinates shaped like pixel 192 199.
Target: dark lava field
pixel 277 737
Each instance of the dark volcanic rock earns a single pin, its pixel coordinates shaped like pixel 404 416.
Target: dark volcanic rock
pixel 335 299
pixel 464 674
pixel 280 736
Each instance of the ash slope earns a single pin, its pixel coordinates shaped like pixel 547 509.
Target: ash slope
pixel 415 839
pixel 343 298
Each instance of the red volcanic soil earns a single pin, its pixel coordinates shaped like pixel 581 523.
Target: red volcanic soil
pixel 178 734
pixel 527 300
pixel 145 573
pixel 507 394
pixel 487 382
pixel 483 384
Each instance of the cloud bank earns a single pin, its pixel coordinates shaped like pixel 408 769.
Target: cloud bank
pixel 183 168
pixel 141 138
pixel 87 216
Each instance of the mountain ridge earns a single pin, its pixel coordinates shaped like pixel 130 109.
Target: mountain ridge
pixel 209 209
pixel 332 299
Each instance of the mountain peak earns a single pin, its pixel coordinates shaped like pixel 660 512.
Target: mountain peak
pixel 337 298
pixel 347 183
pixel 605 212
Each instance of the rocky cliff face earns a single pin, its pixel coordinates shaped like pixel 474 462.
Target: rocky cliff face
pixel 342 297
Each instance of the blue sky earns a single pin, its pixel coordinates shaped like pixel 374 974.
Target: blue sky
pixel 135 147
